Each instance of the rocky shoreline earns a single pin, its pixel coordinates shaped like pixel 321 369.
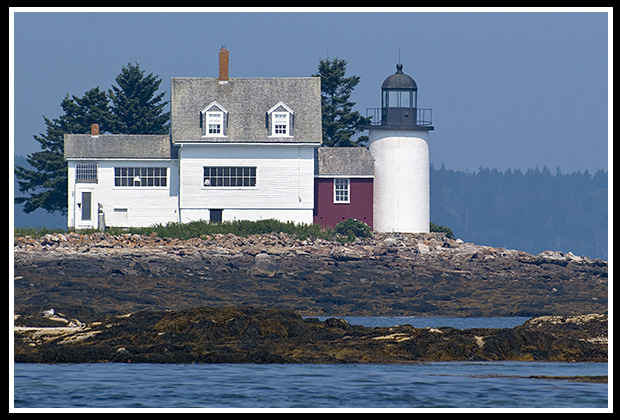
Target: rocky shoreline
pixel 229 299
pixel 99 275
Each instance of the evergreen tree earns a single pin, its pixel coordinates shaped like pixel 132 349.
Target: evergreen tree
pixel 47 181
pixel 135 110
pixel 340 123
pixel 136 107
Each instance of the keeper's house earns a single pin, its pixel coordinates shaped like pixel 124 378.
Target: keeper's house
pixel 238 149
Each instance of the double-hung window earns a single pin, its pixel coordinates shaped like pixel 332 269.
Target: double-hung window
pixel 214 120
pixel 280 124
pixel 341 190
pixel 280 120
pixel 214 123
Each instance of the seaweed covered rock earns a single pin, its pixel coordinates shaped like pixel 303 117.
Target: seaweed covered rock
pixel 555 338
pixel 234 334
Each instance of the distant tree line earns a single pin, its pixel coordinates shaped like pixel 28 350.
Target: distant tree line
pixel 533 211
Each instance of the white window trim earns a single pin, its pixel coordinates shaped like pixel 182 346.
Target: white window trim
pixel 282 117
pixel 288 112
pixel 215 119
pixel 348 190
pixel 219 117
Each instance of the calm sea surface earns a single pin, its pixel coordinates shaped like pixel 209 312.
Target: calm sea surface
pixel 435 322
pixel 426 385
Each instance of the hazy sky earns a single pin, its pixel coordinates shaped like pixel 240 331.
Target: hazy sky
pixel 508 89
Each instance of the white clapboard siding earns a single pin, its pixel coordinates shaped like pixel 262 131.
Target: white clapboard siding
pixel 284 182
pixel 145 206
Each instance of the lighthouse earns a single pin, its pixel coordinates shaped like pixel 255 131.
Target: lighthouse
pixel 398 142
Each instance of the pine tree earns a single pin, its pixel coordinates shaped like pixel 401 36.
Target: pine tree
pixel 47 181
pixel 135 106
pixel 340 123
pixel 135 110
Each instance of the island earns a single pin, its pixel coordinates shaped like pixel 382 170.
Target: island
pixel 84 298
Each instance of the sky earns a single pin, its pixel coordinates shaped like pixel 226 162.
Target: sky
pixel 507 88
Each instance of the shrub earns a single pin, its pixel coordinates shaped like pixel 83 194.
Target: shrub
pixel 349 229
pixel 353 228
pixel 442 229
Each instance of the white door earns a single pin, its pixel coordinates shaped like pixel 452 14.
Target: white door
pixel 85 208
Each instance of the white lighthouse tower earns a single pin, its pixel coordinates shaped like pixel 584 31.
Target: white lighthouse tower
pixel 398 141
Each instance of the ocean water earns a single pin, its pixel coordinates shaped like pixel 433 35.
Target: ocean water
pixel 435 322
pixel 428 385
pixel 354 386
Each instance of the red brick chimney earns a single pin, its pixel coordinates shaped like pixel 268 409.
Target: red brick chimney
pixel 223 64
pixel 94 130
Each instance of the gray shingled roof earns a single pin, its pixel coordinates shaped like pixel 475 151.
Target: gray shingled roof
pixel 131 146
pixel 247 101
pixel 343 161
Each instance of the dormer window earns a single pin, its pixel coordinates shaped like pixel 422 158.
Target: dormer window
pixel 280 120
pixel 280 123
pixel 214 123
pixel 214 119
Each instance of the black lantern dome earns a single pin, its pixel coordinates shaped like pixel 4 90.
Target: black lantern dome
pixel 399 80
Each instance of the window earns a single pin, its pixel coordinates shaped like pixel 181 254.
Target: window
pixel 280 124
pixel 280 120
pixel 85 172
pixel 227 176
pixel 214 120
pixel 214 123
pixel 341 190
pixel 140 177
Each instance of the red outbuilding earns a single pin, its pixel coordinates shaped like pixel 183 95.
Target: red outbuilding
pixel 343 185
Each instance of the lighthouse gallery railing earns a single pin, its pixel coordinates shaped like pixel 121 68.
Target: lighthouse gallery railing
pixel 424 117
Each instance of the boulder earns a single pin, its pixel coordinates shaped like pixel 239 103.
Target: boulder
pixel 343 253
pixel 423 249
pixel 264 265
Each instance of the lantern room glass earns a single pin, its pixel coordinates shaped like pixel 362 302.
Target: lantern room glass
pixel 399 99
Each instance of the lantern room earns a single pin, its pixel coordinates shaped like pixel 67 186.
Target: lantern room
pixel 399 104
